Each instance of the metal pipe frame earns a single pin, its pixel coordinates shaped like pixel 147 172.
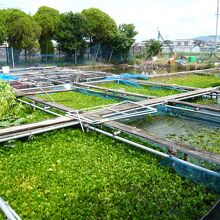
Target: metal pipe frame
pixel 158 153
pixel 8 211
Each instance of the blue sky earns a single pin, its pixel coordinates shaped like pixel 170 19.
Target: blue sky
pixel 176 19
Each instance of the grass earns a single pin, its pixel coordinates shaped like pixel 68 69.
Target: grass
pixel 74 175
pixel 145 90
pixel 191 80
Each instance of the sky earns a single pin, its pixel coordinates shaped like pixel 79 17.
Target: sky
pixel 176 19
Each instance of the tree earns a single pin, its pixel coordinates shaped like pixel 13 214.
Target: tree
pixel 22 31
pixel 48 19
pixel 102 27
pixel 72 32
pixel 154 48
pixel 122 41
pixel 2 29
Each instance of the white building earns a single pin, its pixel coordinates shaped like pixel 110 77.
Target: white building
pixel 181 45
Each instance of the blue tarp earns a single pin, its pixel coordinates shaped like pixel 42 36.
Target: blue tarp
pixel 127 76
pixel 208 178
pixel 7 77
pixel 133 76
pixel 124 78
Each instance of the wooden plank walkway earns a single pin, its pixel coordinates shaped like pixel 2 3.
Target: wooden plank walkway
pixel 40 124
pixel 193 105
pixel 35 128
pixel 181 147
pixel 152 102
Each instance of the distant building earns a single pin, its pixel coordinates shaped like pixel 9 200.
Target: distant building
pixel 182 45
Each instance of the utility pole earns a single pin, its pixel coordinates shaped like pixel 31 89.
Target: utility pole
pixel 216 32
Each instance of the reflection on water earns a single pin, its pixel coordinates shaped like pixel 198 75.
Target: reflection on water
pixel 118 70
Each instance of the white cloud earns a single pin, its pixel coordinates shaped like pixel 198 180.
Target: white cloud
pixel 175 19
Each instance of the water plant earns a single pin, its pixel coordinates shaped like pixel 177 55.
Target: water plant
pixel 193 80
pixel 74 175
pixel 77 100
pixel 145 90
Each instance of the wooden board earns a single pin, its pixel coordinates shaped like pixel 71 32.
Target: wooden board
pixel 194 105
pixel 156 101
pixel 41 124
pixel 33 131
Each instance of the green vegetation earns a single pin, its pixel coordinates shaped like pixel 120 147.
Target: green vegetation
pixel 73 28
pixel 154 48
pixel 48 19
pixel 13 112
pixel 22 32
pixel 2 30
pixel 77 100
pixel 25 115
pixel 102 26
pixel 73 32
pixel 74 175
pixel 202 101
pixel 205 139
pixel 145 90
pixel 8 103
pixel 191 80
pixel 68 174
pixel 123 40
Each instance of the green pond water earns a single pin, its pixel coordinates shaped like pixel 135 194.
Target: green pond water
pixel 164 125
pixel 196 133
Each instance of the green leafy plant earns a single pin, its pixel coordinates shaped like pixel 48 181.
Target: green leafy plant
pixel 145 90
pixel 191 80
pixel 8 103
pixel 68 174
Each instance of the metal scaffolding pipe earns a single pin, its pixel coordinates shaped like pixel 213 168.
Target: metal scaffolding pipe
pixel 158 153
pixel 8 211
pixel 38 107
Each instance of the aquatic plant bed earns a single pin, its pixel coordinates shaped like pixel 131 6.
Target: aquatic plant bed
pixel 77 100
pixel 69 174
pixel 145 90
pixel 193 80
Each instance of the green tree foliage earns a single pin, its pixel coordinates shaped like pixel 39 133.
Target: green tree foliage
pixel 154 48
pixel 102 26
pixel 48 18
pixel 73 28
pixel 122 41
pixel 22 31
pixel 2 29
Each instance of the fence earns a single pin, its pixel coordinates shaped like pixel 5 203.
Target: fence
pixel 88 56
